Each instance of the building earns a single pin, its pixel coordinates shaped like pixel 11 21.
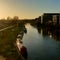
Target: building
pixel 50 17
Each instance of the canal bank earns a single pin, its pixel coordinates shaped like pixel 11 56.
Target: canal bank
pixel 7 43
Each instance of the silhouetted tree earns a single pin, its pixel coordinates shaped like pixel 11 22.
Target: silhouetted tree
pixel 8 18
pixel 15 17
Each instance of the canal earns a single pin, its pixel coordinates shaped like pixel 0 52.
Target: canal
pixel 41 44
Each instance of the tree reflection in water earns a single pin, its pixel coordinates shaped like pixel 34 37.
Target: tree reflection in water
pixel 8 49
pixel 21 48
pixel 40 43
pixel 49 31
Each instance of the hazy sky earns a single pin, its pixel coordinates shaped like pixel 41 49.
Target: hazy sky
pixel 27 8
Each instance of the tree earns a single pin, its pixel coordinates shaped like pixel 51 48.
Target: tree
pixel 16 18
pixel 8 18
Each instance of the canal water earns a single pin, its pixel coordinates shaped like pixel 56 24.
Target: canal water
pixel 40 45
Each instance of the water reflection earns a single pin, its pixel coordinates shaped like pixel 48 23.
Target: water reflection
pixel 34 43
pixel 40 43
pixel 22 50
pixel 22 30
pixel 48 31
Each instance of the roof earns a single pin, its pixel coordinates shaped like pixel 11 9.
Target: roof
pixel 51 14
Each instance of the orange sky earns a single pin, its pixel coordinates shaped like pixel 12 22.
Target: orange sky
pixel 27 9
